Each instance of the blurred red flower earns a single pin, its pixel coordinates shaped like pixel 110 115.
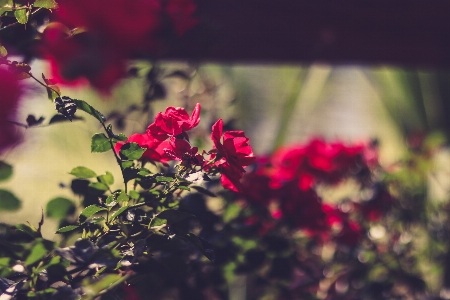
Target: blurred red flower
pixel 10 93
pixel 317 161
pixel 112 32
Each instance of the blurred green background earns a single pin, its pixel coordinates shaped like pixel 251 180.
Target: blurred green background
pixel 274 104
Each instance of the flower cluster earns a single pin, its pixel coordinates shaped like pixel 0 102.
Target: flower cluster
pixel 167 139
pixel 285 185
pixel 10 92
pixel 93 39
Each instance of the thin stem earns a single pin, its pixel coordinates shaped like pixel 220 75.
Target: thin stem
pixel 119 162
pixel 44 85
pixel 17 23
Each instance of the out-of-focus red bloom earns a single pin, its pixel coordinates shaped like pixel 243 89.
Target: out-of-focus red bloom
pixel 173 122
pixel 126 26
pixel 180 13
pixel 304 209
pixel 10 92
pixel 317 161
pixel 114 31
pixel 181 150
pixel 155 148
pixel 231 155
pixel 376 207
pixel 350 234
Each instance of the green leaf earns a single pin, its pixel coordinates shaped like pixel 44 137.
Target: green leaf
pixel 55 260
pixel 163 179
pixel 59 208
pixel 89 211
pixel 21 15
pixel 107 178
pixel 31 231
pixel 6 171
pixel 82 105
pixel 37 252
pixel 98 186
pixel 118 212
pixel 100 143
pixel 111 201
pixel 95 288
pixel 134 195
pixel 49 4
pixel 131 151
pixel 123 197
pixel 127 164
pixel 121 137
pixel 231 212
pixel 8 201
pixel 67 228
pixel 83 172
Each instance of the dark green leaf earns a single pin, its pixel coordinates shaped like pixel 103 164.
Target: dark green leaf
pixel 158 222
pixel 83 172
pixel 98 186
pixel 67 228
pixel 6 171
pixel 100 143
pixel 59 208
pixel 203 190
pixel 89 211
pixel 205 247
pixel 131 151
pixel 118 212
pixel 8 201
pixel 107 178
pixel 21 16
pixel 49 4
pixel 29 230
pixel 90 110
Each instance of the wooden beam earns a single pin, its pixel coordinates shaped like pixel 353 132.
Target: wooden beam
pixel 400 32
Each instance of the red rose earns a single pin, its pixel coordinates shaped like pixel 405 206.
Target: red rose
pixel 174 121
pixel 154 148
pixel 231 155
pixel 181 150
